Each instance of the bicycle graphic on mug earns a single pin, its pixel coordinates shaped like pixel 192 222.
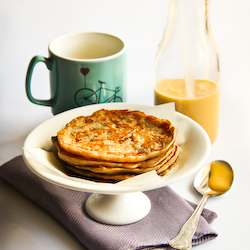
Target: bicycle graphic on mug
pixel 87 96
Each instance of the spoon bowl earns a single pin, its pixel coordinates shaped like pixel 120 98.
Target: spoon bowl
pixel 202 181
pixel 214 179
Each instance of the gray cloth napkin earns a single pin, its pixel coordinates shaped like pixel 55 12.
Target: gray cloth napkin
pixel 168 213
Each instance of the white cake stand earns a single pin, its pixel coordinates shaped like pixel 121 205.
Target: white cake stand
pixel 124 202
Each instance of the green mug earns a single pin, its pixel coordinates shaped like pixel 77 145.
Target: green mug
pixel 85 68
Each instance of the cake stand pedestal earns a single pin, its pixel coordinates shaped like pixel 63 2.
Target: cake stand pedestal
pixel 119 209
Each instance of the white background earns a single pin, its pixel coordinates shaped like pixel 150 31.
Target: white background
pixel 26 28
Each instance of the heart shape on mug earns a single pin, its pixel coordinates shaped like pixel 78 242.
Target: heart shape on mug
pixel 84 71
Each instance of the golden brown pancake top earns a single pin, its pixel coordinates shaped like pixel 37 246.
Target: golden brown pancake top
pixel 117 135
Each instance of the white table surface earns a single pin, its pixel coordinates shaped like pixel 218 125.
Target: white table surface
pixel 26 29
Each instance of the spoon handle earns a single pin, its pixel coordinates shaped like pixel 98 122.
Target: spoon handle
pixel 184 239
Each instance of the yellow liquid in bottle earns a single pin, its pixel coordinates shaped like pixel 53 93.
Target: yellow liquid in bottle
pixel 203 106
pixel 220 177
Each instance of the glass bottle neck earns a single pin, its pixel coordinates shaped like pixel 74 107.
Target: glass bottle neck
pixel 186 19
pixel 187 41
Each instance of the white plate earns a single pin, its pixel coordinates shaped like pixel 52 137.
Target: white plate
pixel 196 148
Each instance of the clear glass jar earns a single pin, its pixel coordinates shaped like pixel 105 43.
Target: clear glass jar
pixel 187 69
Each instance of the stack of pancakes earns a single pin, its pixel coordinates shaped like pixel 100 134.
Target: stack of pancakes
pixel 114 145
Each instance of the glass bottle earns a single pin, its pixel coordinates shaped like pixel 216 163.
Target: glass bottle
pixel 187 69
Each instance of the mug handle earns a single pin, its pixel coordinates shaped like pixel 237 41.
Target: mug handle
pixel 32 64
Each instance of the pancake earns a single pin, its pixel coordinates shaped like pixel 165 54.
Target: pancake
pixel 114 145
pixel 101 177
pixel 173 168
pixel 81 160
pixel 117 136
pixel 121 170
pixel 119 176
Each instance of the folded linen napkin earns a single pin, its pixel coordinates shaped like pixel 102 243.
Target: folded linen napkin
pixel 168 213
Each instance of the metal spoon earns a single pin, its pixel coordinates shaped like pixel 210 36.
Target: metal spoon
pixel 183 240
